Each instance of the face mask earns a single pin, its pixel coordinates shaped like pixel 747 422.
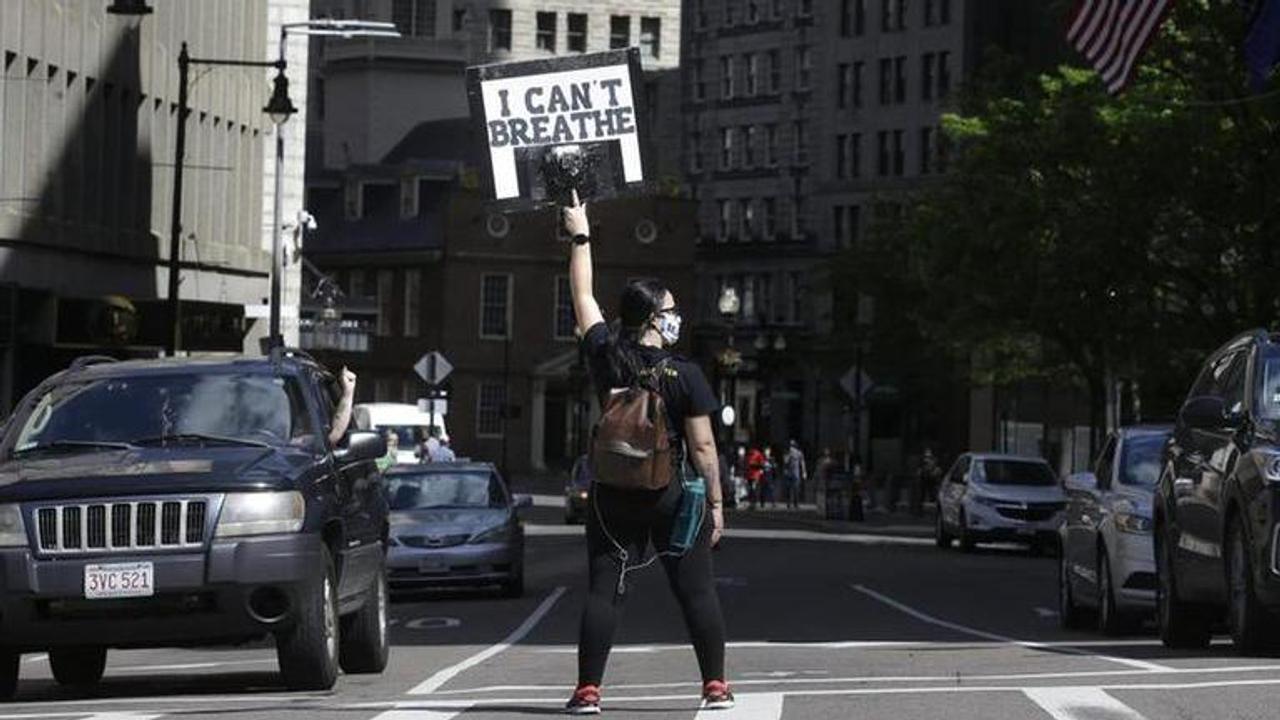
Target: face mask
pixel 668 326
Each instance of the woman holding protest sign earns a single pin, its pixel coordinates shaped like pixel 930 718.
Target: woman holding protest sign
pixel 655 405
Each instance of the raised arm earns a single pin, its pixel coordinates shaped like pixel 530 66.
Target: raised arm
pixel 702 454
pixel 585 307
pixel 342 413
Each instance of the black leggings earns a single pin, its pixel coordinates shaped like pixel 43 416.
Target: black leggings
pixel 634 518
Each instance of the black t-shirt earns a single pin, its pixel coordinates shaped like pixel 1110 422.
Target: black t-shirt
pixel 684 388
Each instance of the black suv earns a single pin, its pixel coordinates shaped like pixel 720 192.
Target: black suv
pixel 190 502
pixel 1217 508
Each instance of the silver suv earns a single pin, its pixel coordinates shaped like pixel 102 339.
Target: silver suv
pixel 990 497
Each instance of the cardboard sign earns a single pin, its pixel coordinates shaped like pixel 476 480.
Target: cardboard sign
pixel 531 114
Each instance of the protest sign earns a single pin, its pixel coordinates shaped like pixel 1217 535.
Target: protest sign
pixel 560 123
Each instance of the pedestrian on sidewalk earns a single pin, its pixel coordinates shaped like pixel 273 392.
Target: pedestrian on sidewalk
pixel 755 476
pixel 795 474
pixel 769 479
pixel 632 357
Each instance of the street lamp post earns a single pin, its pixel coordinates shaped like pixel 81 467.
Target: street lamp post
pixel 279 108
pixel 730 359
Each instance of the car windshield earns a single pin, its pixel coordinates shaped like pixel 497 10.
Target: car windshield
pixel 1015 472
pixel 423 491
pixel 1140 460
pixel 1269 388
pixel 208 407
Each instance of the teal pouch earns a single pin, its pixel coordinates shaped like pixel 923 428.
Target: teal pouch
pixel 693 504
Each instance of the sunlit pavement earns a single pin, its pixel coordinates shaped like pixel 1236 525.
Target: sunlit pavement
pixel 821 626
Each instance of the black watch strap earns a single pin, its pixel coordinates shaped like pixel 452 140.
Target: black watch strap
pixel 581 239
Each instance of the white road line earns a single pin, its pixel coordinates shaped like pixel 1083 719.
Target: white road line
pixel 434 682
pixel 869 645
pixel 1079 703
pixel 756 706
pixel 757 534
pixel 123 716
pixel 925 617
pixel 952 679
pixel 423 714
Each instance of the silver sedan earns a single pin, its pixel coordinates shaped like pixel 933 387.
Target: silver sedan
pixel 1108 561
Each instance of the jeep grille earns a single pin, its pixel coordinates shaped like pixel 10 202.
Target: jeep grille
pixel 122 525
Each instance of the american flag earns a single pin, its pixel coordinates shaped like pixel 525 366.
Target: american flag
pixel 1113 34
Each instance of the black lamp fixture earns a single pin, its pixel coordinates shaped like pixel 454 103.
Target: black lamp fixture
pixel 280 107
pixel 130 7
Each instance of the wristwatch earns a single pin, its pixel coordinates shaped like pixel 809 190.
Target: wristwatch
pixel 581 239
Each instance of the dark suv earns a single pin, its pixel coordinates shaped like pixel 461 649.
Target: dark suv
pixel 190 502
pixel 1217 508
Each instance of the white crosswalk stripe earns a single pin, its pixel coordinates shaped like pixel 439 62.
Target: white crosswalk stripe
pixel 752 706
pixel 1081 703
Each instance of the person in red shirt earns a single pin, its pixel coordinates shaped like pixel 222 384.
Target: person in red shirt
pixel 755 475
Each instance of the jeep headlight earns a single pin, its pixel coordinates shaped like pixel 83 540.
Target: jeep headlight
pixel 12 532
pixel 1129 519
pixel 261 513
pixel 488 535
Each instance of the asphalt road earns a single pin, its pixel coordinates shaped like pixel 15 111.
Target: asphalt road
pixel 820 627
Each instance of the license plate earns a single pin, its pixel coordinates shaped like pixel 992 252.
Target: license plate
pixel 431 566
pixel 119 580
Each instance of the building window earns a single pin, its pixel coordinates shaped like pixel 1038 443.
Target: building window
pixel 837 223
pixel 886 16
pixel 855 155
pixel 944 74
pixel 731 12
pixel 386 301
pixel 747 215
pixel 926 76
pixel 491 405
pixel 901 15
pixel 853 222
pixel 749 139
pixel 897 152
pixel 775 8
pixel 695 152
pixel 801 129
pixel 926 149
pixel 547 31
pixel 379 200
pixel 882 144
pixel 726 148
pixel 846 18
pixel 700 15
pixel 495 307
pixel 841 157
pixel 650 37
pixel 930 12
pixel 699 80
pixel 459 20
pixel 499 29
pixel 775 71
pixel 804 8
pixel 859 17
pixel 751 64
pixel 886 75
pixel 564 319
pixel 900 79
pixel 804 67
pixel 619 31
pixel 726 219
pixel 726 77
pixel 769 218
pixel 412 302
pixel 415 18
pixel 844 84
pixel 857 83
pixel 944 12
pixel 576 38
pixel 800 220
pixel 771 144
pixel 753 11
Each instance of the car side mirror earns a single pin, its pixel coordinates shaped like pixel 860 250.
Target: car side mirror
pixel 1208 413
pixel 521 501
pixel 360 446
pixel 1081 482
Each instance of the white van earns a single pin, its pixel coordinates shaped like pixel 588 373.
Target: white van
pixel 409 423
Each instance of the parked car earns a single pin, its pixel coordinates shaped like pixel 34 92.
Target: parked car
pixel 155 503
pixel 455 524
pixel 990 497
pixel 577 492
pixel 1107 562
pixel 1217 510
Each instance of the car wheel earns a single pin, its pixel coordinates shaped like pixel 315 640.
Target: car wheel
pixel 1111 621
pixel 1182 624
pixel 940 536
pixel 1070 615
pixel 10 661
pixel 514 587
pixel 78 665
pixel 308 651
pixel 1253 631
pixel 966 538
pixel 364 646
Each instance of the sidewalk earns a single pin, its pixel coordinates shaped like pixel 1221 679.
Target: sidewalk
pixel 876 522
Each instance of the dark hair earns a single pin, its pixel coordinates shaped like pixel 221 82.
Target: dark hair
pixel 640 300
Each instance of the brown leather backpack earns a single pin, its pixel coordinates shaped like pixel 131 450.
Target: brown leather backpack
pixel 631 446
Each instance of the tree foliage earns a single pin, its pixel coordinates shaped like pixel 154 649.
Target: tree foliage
pixel 1076 232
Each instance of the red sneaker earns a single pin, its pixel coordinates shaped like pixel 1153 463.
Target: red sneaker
pixel 716 695
pixel 585 701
